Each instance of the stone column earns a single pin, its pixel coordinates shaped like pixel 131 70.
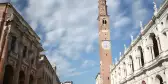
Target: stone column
pixel 27 76
pixel 16 46
pixel 148 54
pixel 19 63
pixel 149 80
pixel 4 52
pixel 152 52
pixel 163 41
pixel 16 75
pixel 139 64
pixel 159 38
pixel 165 64
pixel 167 34
pixel 35 80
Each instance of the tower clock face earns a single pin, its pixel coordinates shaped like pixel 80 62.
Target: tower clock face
pixel 106 45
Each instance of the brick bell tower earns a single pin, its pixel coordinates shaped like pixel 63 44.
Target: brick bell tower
pixel 104 43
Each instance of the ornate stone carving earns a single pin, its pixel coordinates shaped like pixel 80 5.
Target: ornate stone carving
pixel 33 72
pixel 10 16
pixel 23 67
pixel 12 62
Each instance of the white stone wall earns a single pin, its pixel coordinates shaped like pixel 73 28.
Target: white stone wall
pixel 146 59
pixel 98 80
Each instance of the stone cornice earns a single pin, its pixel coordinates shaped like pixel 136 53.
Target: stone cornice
pixel 25 26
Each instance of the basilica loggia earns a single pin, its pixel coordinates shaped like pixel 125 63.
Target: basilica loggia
pixel 145 61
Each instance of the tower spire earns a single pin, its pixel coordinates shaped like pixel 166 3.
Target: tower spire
pixel 102 8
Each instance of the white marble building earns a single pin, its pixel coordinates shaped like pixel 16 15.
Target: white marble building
pixel 145 61
pixel 98 79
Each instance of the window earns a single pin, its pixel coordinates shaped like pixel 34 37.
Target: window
pixel 162 23
pixel 13 42
pixel 24 51
pixel 142 57
pixel 32 61
pixel 155 45
pixel 159 80
pixel 132 64
pixel 104 21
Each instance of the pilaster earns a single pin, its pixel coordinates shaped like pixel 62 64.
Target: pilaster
pixel 16 74
pixel 165 64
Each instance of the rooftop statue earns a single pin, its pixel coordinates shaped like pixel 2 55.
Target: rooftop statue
pixel 155 9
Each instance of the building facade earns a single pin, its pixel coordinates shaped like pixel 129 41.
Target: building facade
pixel 46 72
pixel 98 79
pixel 104 42
pixel 145 61
pixel 20 50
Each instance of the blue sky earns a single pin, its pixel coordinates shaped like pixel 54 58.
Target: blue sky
pixel 69 31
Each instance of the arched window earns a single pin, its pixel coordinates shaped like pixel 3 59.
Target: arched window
pixel 24 51
pixel 166 24
pixel 155 45
pixel 124 67
pixel 21 77
pixel 142 56
pixel 158 80
pixel 8 76
pixel 13 43
pixel 104 21
pixel 132 64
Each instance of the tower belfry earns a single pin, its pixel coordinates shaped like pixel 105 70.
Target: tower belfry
pixel 102 7
pixel 104 42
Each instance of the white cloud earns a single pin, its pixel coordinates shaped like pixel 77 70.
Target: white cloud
pixel 2 1
pixel 121 22
pixel 88 63
pixel 71 27
pixel 139 12
pixel 71 24
pixel 77 73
